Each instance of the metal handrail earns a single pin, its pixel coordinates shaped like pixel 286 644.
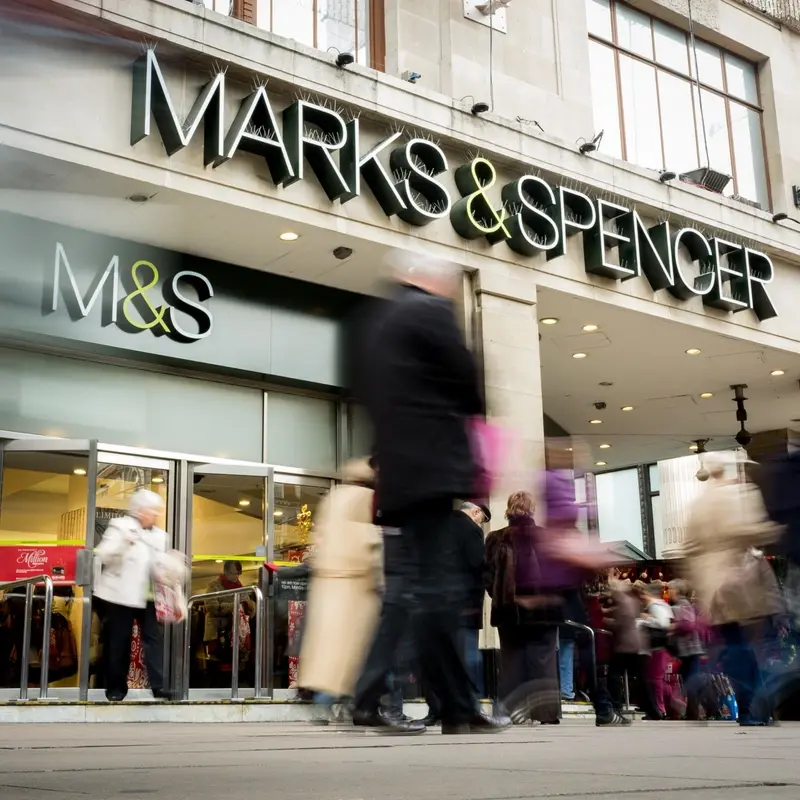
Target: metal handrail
pixel 259 645
pixel 44 678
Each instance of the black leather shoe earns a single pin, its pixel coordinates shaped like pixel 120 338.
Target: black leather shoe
pixel 430 721
pixel 385 723
pixel 115 697
pixel 480 723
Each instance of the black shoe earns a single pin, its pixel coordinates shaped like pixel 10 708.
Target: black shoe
pixel 612 719
pixel 480 723
pixel 385 723
pixel 654 717
pixel 431 721
pixel 551 722
pixel 115 697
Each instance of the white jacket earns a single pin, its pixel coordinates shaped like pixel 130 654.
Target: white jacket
pixel 129 557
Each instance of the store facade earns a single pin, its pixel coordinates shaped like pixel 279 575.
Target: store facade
pixel 186 229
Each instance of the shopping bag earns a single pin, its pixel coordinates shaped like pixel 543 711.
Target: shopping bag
pixel 244 630
pixel 169 602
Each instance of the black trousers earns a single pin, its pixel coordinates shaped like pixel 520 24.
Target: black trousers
pixel 117 645
pixel 529 672
pixel 424 592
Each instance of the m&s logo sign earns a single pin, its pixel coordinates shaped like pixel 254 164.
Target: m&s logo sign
pixel 136 298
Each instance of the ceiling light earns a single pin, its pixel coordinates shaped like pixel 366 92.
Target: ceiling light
pixel 79 471
pixel 244 503
pixel 218 561
pixel 693 351
pixel 289 236
pixel 595 422
pixel 138 198
pixel 776 373
pixel 278 514
pixel 590 328
pixel 569 449
pixel 605 446
pixel 549 321
pixel 694 448
pixel 157 479
pixel 706 395
pixel 627 408
pixel 579 355
pixel 601 463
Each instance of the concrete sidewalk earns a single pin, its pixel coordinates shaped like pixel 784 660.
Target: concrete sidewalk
pixel 227 762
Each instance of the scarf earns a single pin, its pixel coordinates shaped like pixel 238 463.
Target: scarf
pixel 226 584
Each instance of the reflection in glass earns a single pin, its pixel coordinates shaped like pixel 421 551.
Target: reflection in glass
pixel 677 121
pixel 264 14
pixel 228 548
pixel 294 19
pixel 336 25
pixel 220 6
pixel 295 517
pixel 619 508
pixel 671 47
pixel 605 103
pixel 633 31
pixel 748 150
pixel 598 15
pixel 301 431
pixel 741 76
pixel 709 65
pixel 43 506
pixel 655 480
pixel 640 106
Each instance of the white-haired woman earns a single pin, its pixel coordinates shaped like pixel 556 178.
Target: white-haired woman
pixel 132 552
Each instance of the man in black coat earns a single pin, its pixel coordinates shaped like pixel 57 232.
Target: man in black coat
pixel 421 386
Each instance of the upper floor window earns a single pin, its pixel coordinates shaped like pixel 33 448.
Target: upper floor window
pixel 341 24
pixel 646 99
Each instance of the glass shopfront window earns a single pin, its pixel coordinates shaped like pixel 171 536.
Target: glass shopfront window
pixel 295 516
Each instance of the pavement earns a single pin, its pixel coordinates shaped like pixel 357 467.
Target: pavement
pixel 288 762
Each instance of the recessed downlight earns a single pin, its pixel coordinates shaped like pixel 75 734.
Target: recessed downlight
pixel 627 408
pixel 278 514
pixel 79 471
pixel 776 373
pixel 157 479
pixel 549 321
pixel 579 355
pixel 289 236
pixel 591 328
pixel 244 503
pixel 601 463
pixel 219 561
pixel 693 351
pixel 605 446
pixel 706 395
pixel 595 422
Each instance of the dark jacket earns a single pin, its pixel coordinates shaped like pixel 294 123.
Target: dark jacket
pixel 515 605
pixel 782 500
pixel 468 537
pixel 420 385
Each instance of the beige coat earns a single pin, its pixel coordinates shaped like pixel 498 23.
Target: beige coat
pixel 344 600
pixel 725 522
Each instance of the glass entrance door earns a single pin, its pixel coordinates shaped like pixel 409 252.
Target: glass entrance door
pixel 229 525
pixel 47 512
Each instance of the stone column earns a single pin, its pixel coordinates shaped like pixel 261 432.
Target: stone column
pixel 507 335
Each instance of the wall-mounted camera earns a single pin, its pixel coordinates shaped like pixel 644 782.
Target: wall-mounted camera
pixel 601 406
pixel 342 253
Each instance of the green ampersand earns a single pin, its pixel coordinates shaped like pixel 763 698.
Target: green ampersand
pixel 474 216
pixel 158 313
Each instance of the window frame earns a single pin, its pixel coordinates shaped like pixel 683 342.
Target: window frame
pixel 246 10
pixel 696 85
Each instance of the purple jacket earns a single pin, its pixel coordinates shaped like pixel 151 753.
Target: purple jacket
pixel 562 513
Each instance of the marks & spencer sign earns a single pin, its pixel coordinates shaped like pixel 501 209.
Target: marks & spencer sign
pixel 529 215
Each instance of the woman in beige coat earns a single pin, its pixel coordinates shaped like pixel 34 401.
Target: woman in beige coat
pixel 726 522
pixel 344 600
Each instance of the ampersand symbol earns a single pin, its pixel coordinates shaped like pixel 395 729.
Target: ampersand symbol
pixel 158 313
pixel 474 216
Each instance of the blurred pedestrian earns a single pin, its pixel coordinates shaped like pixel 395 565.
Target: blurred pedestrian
pixel 344 599
pixel 421 386
pixel 725 522
pixel 133 556
pixel 688 634
pixel 527 619
pixel 655 621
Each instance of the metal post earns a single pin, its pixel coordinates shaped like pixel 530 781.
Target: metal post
pixel 47 621
pixel 187 652
pixel 259 595
pixel 26 643
pixel 235 648
pixel 627 693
